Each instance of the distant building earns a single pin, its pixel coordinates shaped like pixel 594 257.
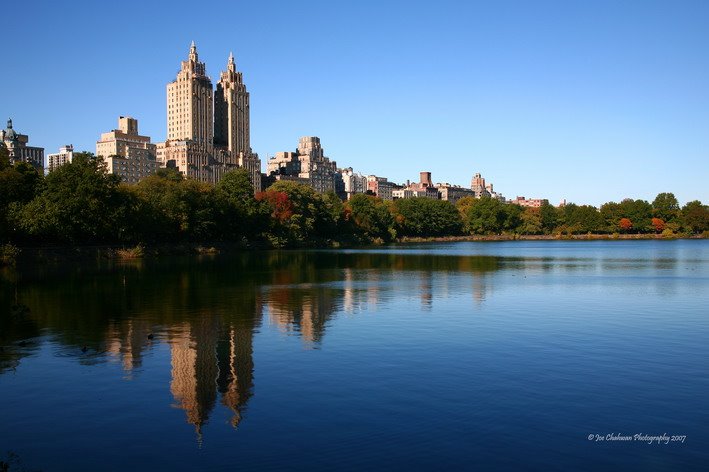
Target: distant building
pixel 380 187
pixel 353 183
pixel 423 189
pixel 453 193
pixel 529 202
pixel 64 156
pixel 477 185
pixel 308 164
pixel 482 189
pixel 402 193
pixel 126 153
pixel 18 149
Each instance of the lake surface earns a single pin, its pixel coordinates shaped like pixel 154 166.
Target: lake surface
pixel 486 356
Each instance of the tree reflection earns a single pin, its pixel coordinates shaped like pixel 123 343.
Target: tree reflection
pixel 207 310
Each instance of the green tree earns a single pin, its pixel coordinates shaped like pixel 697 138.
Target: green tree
pixel 611 214
pixel 582 219
pixel 665 207
pixel 531 221
pixel 241 215
pixel 549 216
pixel 695 216
pixel 485 216
pixel 18 185
pixel 309 219
pixel 175 208
pixel 513 217
pixel 427 217
pixel 78 203
pixel 371 217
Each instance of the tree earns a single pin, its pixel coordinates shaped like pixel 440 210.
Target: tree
pixel 241 215
pixel 611 214
pixel 658 224
pixel 582 218
pixel 18 185
pixel 695 216
pixel 486 215
pixel 625 225
pixel 637 211
pixel 177 208
pixel 371 217
pixel 78 203
pixel 513 217
pixel 549 216
pixel 309 220
pixel 665 207
pixel 427 217
pixel 531 221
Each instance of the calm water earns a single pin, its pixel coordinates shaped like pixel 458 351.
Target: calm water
pixel 501 356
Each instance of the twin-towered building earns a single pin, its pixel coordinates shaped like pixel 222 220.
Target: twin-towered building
pixel 208 132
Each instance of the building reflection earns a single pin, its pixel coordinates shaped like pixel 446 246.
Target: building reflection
pixel 210 337
pixel 126 341
pixel 304 312
pixel 210 360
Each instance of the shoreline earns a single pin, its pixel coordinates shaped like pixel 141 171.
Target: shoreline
pixel 127 253
pixel 548 237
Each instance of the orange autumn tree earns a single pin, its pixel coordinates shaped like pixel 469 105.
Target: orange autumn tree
pixel 625 224
pixel 281 206
pixel 658 224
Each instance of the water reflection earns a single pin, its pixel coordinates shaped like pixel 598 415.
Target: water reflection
pixel 207 310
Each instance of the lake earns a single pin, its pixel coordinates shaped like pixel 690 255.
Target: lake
pixel 520 355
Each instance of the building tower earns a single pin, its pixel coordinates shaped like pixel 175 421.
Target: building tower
pixel 189 103
pixel 231 112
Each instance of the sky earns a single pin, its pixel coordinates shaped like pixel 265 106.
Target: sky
pixel 584 101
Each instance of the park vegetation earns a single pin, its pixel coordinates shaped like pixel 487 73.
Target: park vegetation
pixel 81 204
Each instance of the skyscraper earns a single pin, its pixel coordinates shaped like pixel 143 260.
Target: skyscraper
pixel 189 103
pixel 231 112
pixel 208 134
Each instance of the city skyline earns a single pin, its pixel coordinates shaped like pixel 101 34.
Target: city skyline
pixel 584 103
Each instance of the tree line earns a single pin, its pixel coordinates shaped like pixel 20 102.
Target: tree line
pixel 81 203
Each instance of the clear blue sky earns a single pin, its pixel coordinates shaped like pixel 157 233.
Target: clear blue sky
pixel 588 101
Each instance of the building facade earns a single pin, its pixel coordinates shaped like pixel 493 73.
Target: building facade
pixel 64 156
pixel 352 182
pixel 529 202
pixel 453 193
pixel 477 185
pixel 18 149
pixel 308 164
pixel 380 187
pixel 126 153
pixel 208 134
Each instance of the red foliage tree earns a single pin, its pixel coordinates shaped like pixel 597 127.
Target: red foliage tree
pixel 625 224
pixel 658 224
pixel 281 206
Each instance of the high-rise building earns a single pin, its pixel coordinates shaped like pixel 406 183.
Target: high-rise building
pixel 208 134
pixel 18 149
pixel 231 112
pixel 189 103
pixel 477 184
pixel 308 164
pixel 127 153
pixel 64 156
